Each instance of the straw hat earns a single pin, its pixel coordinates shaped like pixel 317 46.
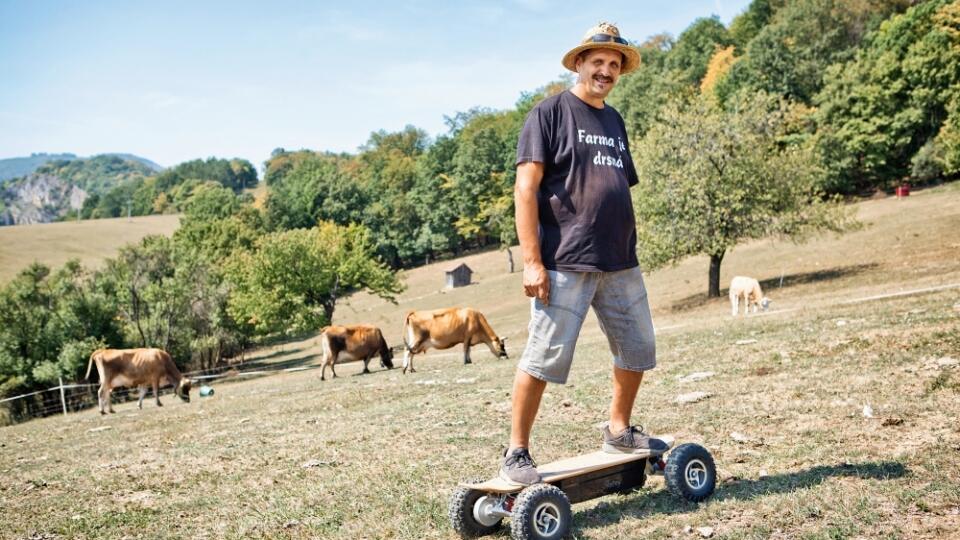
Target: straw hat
pixel 604 36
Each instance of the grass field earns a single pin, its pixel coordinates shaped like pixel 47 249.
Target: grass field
pixel 91 241
pixel 376 456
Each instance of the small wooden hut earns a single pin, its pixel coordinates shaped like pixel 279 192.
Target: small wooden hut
pixel 459 276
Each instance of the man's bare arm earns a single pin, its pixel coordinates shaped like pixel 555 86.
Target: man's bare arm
pixel 536 283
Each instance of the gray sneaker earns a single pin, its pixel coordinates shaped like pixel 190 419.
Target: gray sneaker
pixel 632 440
pixel 519 468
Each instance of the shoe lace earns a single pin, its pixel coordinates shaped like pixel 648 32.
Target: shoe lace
pixel 637 429
pixel 521 458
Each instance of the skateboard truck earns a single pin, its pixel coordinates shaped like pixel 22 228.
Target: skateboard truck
pixel 543 511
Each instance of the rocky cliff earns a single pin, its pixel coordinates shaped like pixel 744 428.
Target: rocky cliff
pixel 38 198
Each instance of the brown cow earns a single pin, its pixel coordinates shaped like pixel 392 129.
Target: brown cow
pixel 357 342
pixel 136 367
pixel 444 328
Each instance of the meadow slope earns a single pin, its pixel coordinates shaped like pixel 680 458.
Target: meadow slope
pixel 376 456
pixel 91 241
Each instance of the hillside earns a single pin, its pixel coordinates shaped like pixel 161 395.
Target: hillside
pixel 21 166
pixel 91 240
pixel 58 188
pixel 288 456
pixel 38 198
pixel 905 244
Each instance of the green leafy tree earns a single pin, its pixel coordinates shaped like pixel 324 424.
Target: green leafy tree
pixel 308 187
pixel 748 24
pixel 948 140
pixel 291 282
pixel 150 300
pixel 437 232
pixel 235 174
pixel 215 240
pixel 49 324
pixel 878 110
pixel 694 48
pixel 711 178
pixel 481 182
pixel 210 201
pixel 639 96
pixel 789 56
pixel 387 165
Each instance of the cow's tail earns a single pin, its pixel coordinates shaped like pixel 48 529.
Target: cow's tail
pixel 90 364
pixel 403 336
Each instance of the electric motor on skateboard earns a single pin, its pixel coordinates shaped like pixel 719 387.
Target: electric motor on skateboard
pixel 542 511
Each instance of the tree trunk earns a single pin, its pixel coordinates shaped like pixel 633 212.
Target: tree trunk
pixel 714 286
pixel 509 260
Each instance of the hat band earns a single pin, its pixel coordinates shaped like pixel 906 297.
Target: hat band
pixel 605 38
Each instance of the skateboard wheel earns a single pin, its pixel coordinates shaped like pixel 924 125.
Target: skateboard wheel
pixel 469 515
pixel 691 473
pixel 541 512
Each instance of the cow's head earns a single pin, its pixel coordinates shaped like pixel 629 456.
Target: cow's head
pixel 764 303
pixel 501 343
pixel 183 389
pixel 386 358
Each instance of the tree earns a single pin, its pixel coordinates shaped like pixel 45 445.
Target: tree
pixel 50 322
pixel 481 182
pixel 694 48
pixel 711 178
pixel 719 65
pixel 210 201
pixel 878 110
pixel 387 167
pixel 293 280
pixel 789 55
pixel 748 24
pixel 639 96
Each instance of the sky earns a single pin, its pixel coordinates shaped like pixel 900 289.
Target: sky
pixel 173 81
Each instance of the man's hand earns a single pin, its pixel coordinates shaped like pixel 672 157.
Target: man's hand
pixel 536 282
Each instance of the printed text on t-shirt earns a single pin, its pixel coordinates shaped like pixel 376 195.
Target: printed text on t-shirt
pixel 600 159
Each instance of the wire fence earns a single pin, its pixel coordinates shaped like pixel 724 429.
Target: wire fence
pixel 67 398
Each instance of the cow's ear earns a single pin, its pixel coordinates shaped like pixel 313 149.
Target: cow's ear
pixel 503 339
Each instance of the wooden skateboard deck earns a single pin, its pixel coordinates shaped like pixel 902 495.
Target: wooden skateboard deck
pixel 568 467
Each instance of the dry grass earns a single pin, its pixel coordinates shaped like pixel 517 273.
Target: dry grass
pixel 91 241
pixel 387 449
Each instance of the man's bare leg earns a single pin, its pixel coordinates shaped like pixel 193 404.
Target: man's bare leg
pixel 625 386
pixel 527 391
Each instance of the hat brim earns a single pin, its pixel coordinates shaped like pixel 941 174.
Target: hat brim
pixel 630 54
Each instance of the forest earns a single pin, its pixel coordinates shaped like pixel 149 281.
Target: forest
pixel 761 128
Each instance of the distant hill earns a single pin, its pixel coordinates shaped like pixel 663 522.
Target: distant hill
pixel 97 174
pixel 130 157
pixel 61 186
pixel 21 166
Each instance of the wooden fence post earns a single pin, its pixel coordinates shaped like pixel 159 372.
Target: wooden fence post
pixel 63 399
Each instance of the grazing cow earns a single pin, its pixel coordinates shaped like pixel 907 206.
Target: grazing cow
pixel 444 328
pixel 358 342
pixel 749 289
pixel 136 367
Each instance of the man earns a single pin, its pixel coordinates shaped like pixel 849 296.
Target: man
pixel 578 238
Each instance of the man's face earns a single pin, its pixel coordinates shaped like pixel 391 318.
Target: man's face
pixel 599 70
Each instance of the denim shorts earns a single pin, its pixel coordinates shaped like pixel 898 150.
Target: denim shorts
pixel 620 301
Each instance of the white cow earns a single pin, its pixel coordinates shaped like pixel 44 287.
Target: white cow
pixel 749 289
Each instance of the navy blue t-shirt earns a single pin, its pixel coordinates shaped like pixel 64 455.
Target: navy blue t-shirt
pixel 586 215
